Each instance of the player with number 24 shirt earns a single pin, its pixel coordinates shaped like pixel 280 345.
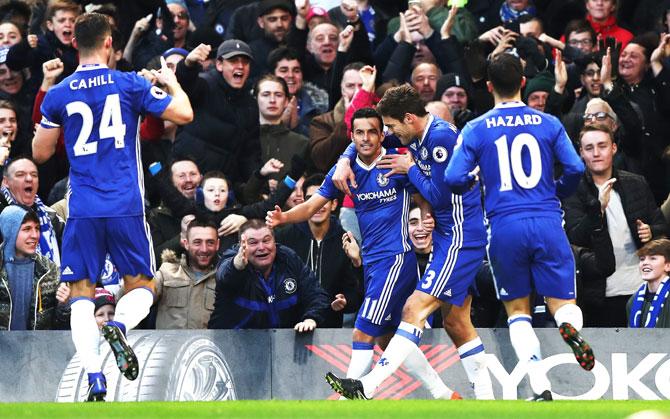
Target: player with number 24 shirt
pixel 99 111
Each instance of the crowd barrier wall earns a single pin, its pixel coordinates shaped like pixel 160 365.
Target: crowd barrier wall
pixel 280 364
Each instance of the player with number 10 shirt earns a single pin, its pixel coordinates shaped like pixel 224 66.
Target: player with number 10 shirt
pixel 516 148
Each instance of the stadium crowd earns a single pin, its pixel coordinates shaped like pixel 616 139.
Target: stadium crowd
pixel 273 85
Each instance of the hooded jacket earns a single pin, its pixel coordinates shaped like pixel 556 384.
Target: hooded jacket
pixel 43 313
pixel 331 266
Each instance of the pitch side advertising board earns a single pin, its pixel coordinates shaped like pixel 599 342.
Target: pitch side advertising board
pixel 280 364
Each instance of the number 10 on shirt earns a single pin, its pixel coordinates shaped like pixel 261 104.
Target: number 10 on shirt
pixel 513 157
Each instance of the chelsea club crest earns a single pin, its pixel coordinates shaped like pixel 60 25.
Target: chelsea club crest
pixel 382 180
pixel 290 285
pixel 423 153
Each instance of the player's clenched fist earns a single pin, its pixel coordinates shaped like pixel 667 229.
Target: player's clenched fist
pixel 240 260
pixel 198 55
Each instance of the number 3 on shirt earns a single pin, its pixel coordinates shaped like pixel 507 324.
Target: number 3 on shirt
pixel 518 143
pixel 111 125
pixel 428 279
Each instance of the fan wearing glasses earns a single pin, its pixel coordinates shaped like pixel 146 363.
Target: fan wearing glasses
pixel 599 112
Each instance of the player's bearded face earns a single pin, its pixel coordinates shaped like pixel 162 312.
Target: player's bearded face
pixel 367 137
pixel 400 129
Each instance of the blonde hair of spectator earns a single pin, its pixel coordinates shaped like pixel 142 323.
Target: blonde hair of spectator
pixel 596 101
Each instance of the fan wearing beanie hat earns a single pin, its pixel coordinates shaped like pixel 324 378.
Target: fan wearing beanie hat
pixel 105 306
pixel 537 90
pixel 275 18
pixel 452 90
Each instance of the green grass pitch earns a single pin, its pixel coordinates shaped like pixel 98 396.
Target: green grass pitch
pixel 377 409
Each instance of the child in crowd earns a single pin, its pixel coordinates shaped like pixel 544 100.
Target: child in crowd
pixel 649 307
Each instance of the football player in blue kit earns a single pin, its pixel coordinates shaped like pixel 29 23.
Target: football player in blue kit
pixel 515 148
pixel 382 204
pixel 99 110
pixel 458 243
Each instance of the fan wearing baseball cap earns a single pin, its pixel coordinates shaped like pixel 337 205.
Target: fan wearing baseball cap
pixel 224 133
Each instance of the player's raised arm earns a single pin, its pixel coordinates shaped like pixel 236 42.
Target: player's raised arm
pixel 301 212
pixel 44 143
pixel 179 110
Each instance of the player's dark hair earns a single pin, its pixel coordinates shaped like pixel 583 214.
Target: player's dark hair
pixel 110 11
pixel 505 73
pixel 365 113
pixel 314 180
pixel 282 53
pixel 214 174
pixel 271 77
pixel 5 169
pixel 253 224
pixel 398 101
pixel 90 31
pixel 201 222
pixel 658 247
pixel 596 127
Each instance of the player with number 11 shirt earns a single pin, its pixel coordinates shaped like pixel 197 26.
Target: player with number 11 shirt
pixel 99 111
pixel 515 148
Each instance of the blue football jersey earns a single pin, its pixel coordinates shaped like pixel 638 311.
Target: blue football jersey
pixel 452 212
pixel 99 111
pixel 382 209
pixel 515 147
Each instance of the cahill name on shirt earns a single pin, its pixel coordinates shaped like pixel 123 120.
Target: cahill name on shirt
pixel 94 81
pixel 513 120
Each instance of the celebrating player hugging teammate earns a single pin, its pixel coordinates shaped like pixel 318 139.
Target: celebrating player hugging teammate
pixel 389 263
pixel 459 239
